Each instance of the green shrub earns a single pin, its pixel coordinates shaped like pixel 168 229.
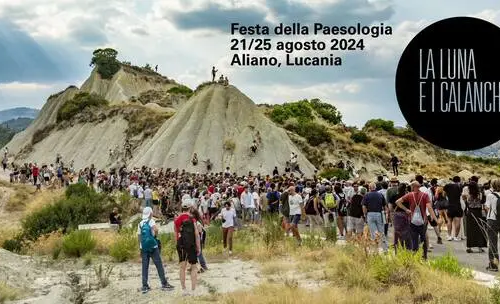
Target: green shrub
pixel 331 233
pixel 229 145
pixel 449 263
pixel 182 90
pixel 327 111
pixel 495 294
pixel 125 247
pixel 314 133
pixel 80 102
pixel 41 134
pixel 145 121
pixel 80 206
pixel 301 110
pixel 78 243
pixel 396 269
pixel 13 245
pixel 380 124
pixel 273 232
pixel 360 137
pixel 106 62
pixel 335 172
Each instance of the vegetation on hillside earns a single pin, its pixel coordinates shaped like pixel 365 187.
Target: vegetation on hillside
pixel 82 101
pixel 144 121
pixel 181 90
pixel 41 134
pixel 6 135
pixel 18 124
pixel 106 62
pixel 304 110
pixel 388 126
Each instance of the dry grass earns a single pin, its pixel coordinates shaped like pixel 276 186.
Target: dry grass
pixel 42 199
pixel 7 233
pixel 350 278
pixel 104 239
pixel 7 293
pixel 20 198
pixel 48 244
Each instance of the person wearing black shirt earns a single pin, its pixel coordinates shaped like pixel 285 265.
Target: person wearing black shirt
pixel 115 217
pixel 275 171
pixel 394 163
pixel 355 217
pixel 373 205
pixel 453 192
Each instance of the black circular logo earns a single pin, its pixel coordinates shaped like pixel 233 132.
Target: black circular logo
pixel 448 83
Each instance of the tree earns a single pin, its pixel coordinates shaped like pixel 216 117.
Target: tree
pixel 148 67
pixel 327 111
pixel 106 62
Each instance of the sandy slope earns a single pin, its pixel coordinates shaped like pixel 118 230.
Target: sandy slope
pixel 212 117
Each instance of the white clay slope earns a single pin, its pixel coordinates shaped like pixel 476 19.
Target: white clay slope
pixel 212 117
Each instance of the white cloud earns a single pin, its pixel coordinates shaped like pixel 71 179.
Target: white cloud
pixel 20 86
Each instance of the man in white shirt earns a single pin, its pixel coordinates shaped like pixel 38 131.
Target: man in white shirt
pixel 295 202
pixel 248 204
pixel 493 225
pixel 228 216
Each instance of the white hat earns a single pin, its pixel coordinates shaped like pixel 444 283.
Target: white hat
pixel 146 213
pixel 186 203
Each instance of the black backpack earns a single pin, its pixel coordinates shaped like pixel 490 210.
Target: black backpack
pixel 342 205
pixel 188 238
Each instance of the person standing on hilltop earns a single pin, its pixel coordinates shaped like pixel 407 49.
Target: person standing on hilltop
pixel 395 162
pixel 5 160
pixel 156 68
pixel 214 73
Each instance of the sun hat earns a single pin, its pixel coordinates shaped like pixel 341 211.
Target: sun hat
pixel 146 213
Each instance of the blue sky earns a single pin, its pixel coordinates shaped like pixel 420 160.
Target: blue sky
pixel 46 45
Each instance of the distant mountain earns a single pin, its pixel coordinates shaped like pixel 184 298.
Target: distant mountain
pixel 18 124
pixel 14 113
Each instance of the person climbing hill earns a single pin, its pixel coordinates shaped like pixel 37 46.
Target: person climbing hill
pixel 395 162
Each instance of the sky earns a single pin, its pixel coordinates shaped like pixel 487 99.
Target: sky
pixel 46 45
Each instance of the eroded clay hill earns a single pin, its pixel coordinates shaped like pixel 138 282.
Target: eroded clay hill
pixel 137 99
pixel 220 123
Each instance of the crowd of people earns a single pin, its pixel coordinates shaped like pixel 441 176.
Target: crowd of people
pixel 405 207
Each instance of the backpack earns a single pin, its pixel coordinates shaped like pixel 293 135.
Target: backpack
pixel 343 204
pixel 330 202
pixel 309 207
pixel 188 238
pixel 148 241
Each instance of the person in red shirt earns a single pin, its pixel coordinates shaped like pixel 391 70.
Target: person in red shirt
pixel 187 251
pixel 35 171
pixel 419 205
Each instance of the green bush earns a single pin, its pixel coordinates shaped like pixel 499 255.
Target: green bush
pixel 335 172
pixel 273 232
pixel 106 62
pixel 182 90
pixel 449 263
pixel 301 110
pixel 314 133
pixel 80 102
pixel 331 233
pixel 78 243
pixel 495 294
pixel 396 269
pixel 41 134
pixel 126 246
pixel 82 205
pixel 380 124
pixel 13 245
pixel 144 121
pixel 360 137
pixel 327 111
